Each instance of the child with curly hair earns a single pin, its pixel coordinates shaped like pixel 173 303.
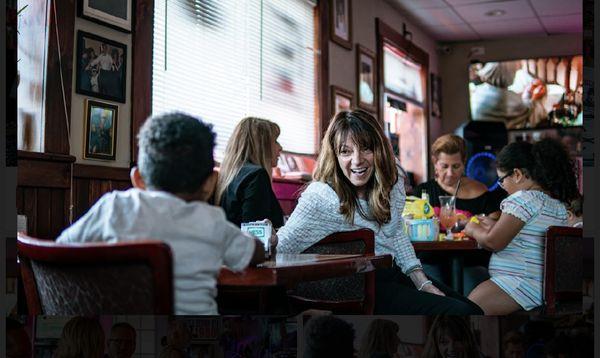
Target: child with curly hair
pixel 540 180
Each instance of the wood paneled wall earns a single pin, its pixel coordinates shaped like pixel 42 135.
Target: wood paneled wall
pixel 44 190
pixel 90 182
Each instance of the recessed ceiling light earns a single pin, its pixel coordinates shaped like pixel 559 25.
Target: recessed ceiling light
pixel 494 13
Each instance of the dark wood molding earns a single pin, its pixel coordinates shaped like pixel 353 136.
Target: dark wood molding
pixel 322 20
pixel 391 35
pixel 49 157
pixel 43 170
pixel 98 172
pixel 42 174
pixel 141 77
pixel 56 136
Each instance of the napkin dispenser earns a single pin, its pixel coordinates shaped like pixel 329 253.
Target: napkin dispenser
pixel 422 229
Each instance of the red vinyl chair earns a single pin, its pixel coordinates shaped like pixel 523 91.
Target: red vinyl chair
pixel 96 278
pixel 563 270
pixel 354 294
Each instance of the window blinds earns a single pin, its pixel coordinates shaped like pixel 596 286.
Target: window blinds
pixel 225 60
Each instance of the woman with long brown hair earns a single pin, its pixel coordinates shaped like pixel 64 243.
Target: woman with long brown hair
pixel 380 340
pixel 451 336
pixel 357 186
pixel 244 187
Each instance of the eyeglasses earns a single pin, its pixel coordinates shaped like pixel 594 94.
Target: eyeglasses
pixel 501 179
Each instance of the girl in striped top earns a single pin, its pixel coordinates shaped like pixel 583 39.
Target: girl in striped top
pixel 539 178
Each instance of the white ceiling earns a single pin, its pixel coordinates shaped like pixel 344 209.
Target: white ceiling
pixel 465 20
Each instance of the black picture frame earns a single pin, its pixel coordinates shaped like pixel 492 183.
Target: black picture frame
pixel 340 18
pixel 101 67
pixel 339 96
pixel 116 14
pixel 100 141
pixel 436 96
pixel 366 74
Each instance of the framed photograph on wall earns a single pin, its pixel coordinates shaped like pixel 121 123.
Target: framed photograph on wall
pixel 112 13
pixel 366 79
pixel 341 100
pixel 341 22
pixel 436 96
pixel 100 130
pixel 101 67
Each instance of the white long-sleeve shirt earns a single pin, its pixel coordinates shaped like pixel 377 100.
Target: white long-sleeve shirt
pixel 317 215
pixel 200 237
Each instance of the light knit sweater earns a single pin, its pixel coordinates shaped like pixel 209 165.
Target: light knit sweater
pixel 317 215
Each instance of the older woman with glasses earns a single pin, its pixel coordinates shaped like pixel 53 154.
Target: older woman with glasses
pixel 449 154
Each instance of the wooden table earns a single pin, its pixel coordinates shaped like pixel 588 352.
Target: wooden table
pixel 456 258
pixel 263 289
pixel 289 269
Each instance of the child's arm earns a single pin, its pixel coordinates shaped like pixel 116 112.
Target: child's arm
pixel 495 236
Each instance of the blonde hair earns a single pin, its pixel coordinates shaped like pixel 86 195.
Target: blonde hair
pixel 251 141
pixel 365 131
pixel 379 338
pixel 449 144
pixel 82 337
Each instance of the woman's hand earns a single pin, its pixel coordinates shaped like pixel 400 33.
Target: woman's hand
pixel 422 283
pixel 274 240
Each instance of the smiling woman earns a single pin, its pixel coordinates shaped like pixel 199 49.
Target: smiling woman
pixel 357 185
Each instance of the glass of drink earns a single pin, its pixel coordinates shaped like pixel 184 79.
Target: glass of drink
pixel 448 213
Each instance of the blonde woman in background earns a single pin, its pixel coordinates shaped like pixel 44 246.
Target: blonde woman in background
pixel 82 337
pixel 244 187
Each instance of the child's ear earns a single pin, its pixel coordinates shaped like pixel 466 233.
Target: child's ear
pixel 209 185
pixel 518 175
pixel 136 178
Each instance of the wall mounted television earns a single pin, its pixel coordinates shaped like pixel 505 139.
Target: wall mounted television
pixel 544 92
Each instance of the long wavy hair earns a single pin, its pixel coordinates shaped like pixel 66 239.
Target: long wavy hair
pixel 82 337
pixel 251 141
pixel 455 327
pixel 366 132
pixel 381 337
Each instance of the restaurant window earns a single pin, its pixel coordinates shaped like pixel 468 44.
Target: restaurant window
pixel 404 103
pixel 32 18
pixel 225 60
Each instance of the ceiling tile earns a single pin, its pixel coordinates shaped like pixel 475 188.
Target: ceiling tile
pixel 437 17
pixel 563 24
pixel 420 4
pixel 509 28
pixel 466 2
pixel 454 32
pixel 557 7
pixel 476 13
